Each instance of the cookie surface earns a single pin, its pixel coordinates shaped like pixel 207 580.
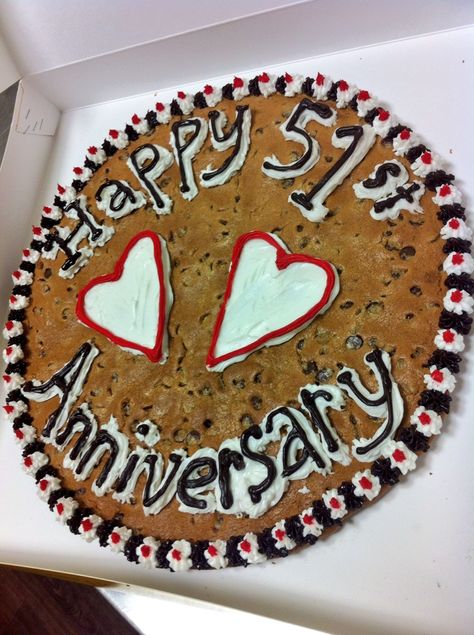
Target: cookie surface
pixel 392 302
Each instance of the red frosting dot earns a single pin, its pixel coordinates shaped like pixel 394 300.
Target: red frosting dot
pixel 456 295
pixel 426 158
pixel 246 546
pixel 399 456
pixel 424 418
pixel 405 134
pixel 13 299
pixel 288 78
pixel 8 409
pixel 43 484
pixel 47 210
pixel 176 554
pixel 145 551
pixel 308 519
pixel 280 534
pixel 136 120
pixel 19 434
pixel 7 379
pixel 454 223
pixel 113 133
pixel 77 171
pixel 343 85
pixel 238 82
pixel 26 253
pixel 8 350
pixel 334 503
pixel 92 150
pixel 16 275
pixel 263 78
pixel 383 114
pixel 320 79
pixel 37 231
pixel 181 94
pixel 437 376
pixel 448 337
pixel 444 190
pixel 365 483
pixel 114 537
pixel 61 189
pixel 212 551
pixel 208 90
pixel 28 461
pixel 87 524
pixel 60 508
pixel 363 95
pixel 9 325
pixel 159 106
pixel 457 259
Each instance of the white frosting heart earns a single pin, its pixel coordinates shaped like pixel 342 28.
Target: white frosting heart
pixel 265 299
pixel 129 307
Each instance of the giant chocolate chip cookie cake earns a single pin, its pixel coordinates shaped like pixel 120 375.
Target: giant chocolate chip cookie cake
pixel 239 324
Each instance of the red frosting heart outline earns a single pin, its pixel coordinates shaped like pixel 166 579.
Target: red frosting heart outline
pixel 282 260
pixel 154 354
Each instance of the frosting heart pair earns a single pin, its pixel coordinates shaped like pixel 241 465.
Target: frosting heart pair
pixel 271 295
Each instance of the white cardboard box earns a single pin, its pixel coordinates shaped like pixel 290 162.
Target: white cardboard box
pixel 405 565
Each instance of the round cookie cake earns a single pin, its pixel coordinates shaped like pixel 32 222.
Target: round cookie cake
pixel 240 323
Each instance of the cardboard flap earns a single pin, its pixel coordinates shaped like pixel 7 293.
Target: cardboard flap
pixel 34 114
pixel 245 45
pixel 9 73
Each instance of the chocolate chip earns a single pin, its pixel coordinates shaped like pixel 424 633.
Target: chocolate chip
pixel 324 374
pixel 125 407
pixel 304 242
pixel 193 437
pixel 407 252
pixel 354 342
pixel 300 345
pixel 240 383
pixel 299 228
pixel 397 273
pixel 409 316
pixel 256 402
pixel 346 305
pixel 416 291
pixel 246 420
pixel 310 367
pixel 257 378
pixel 47 273
pixel 375 307
pixel 179 435
pixel 207 423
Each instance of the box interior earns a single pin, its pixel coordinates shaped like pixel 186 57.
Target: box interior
pixel 397 567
